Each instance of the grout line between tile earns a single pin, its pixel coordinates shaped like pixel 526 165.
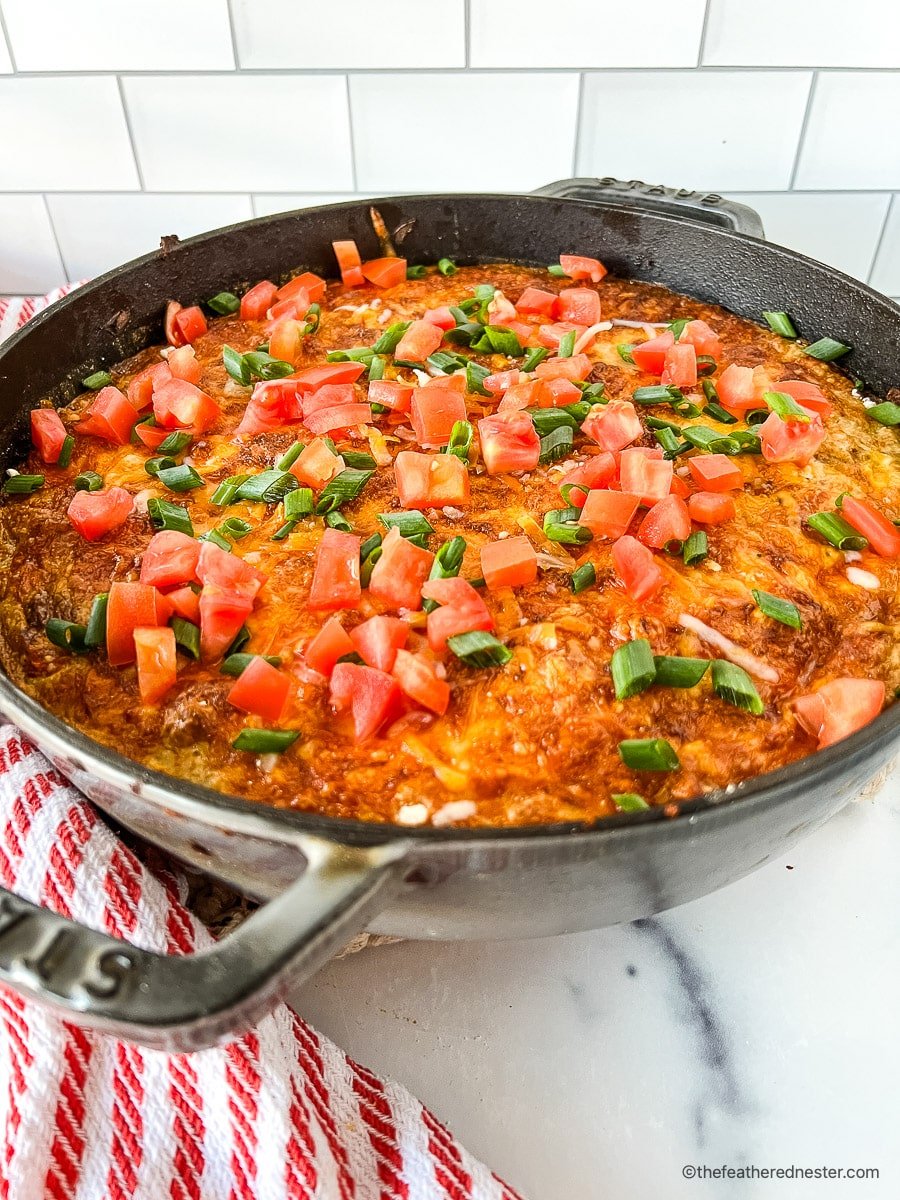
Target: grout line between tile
pixel 716 69
pixel 579 120
pixel 127 116
pixel 467 31
pixel 701 49
pixel 62 257
pixel 367 193
pixel 234 42
pixel 810 97
pixel 8 39
pixel 352 132
pixel 881 238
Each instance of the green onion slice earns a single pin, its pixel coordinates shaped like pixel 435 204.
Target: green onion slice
pixel 534 356
pixel 65 453
pixel 734 685
pixel 290 456
pixel 67 635
pixel 411 523
pixel 226 492
pixel 566 345
pixel 187 636
pixel 268 487
pixel 363 354
pixel 158 463
pixel 632 668
pixel 780 322
pixel 678 327
pixel 358 460
pixel 390 339
pixel 95 630
pixel 23 485
pixel 710 440
pixel 224 303
pixel 696 548
pixel 677 672
pixel 446 565
pixel 174 443
pixel 265 741
pixel 342 488
pixel 778 609
pixel 217 539
pixel 446 361
pixel 556 445
pixel 298 503
pixel 786 407
pixel 235 366
pixel 887 413
pixel 164 514
pixel 180 479
pixel 236 664
pixel 827 349
pixel 447 266
pixel 834 529
pixel 460 444
pixel 629 802
pixel 648 754
pixel 624 352
pixel 99 379
pixel 583 577
pixel 657 394
pixel 716 412
pixel 241 638
pixel 476 374
pixel 335 519
pixel 479 649
pixel 556 271
pixel 88 481
pixel 416 272
pixel 545 420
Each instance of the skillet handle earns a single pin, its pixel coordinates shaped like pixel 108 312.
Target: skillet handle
pixel 188 1003
pixel 708 207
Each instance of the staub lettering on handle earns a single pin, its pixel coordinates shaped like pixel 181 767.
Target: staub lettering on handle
pixel 658 189
pixel 43 952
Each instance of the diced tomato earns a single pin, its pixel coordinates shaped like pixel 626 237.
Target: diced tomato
pixel 378 640
pixel 223 612
pixel 614 425
pixel 511 562
pixel 401 570
pixel 680 487
pixel 580 305
pixel 329 644
pixel 312 285
pixel 807 395
pixel 434 412
pixel 179 403
pixel 261 689
pixel 501 381
pixel 260 416
pixel 344 416
pixel 391 393
pixel 608 514
pixel 442 317
pixel 461 611
pixel 140 390
pixel 171 557
pixel 372 696
pixel 188 324
pixel 596 472
pixel 552 335
pixel 577 367
pixel 455 383
pixel 47 433
pixel 151 436
pixel 742 388
pixel 335 581
pixel 183 364
pixel 715 472
pixel 711 508
pixel 577 266
pixel 645 476
pixel 501 310
pixel 536 300
pixel 534 393
pixel 97 513
pixel 650 356
pixel 131 606
pixel 667 521
pixel 421 339
pixel 509 442
pixel 883 535
pixel 330 395
pixel 316 464
pixel 680 366
pixel 157 666
pixel 385 272
pixel 349 263
pixel 637 568
pixel 315 377
pixel 295 309
pixel 562 392
pixel 839 708
pixel 792 440
pixel 431 480
pixel 418 680
pixel 286 340
pixel 704 339
pixel 185 603
pixel 173 308
pixel 111 416
pixel 219 568
pixel 257 302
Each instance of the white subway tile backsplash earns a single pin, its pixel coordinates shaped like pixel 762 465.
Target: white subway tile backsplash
pixel 841 229
pixel 108 35
pixel 584 33
pixel 886 272
pixel 345 34
pixel 29 260
pixel 852 131
pixel 265 203
pixel 538 113
pixel 63 132
pixel 6 65
pixel 241 132
pixel 721 130
pixel 99 232
pixel 803 34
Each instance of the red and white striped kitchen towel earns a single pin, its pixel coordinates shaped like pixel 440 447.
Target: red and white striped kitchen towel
pixel 280 1114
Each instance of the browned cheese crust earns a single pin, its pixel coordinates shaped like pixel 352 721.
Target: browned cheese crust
pixel 535 741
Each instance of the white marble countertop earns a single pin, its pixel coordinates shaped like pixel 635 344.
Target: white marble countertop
pixel 756 1026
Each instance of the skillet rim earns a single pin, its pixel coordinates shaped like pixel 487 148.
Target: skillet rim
pixel 169 791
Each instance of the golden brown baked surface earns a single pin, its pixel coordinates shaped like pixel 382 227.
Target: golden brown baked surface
pixel 535 740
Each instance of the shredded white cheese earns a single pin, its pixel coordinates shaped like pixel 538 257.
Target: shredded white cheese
pixel 863 579
pixel 454 810
pixel 736 654
pixel 412 814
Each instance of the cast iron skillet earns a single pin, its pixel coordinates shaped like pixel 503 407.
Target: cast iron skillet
pixel 332 877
